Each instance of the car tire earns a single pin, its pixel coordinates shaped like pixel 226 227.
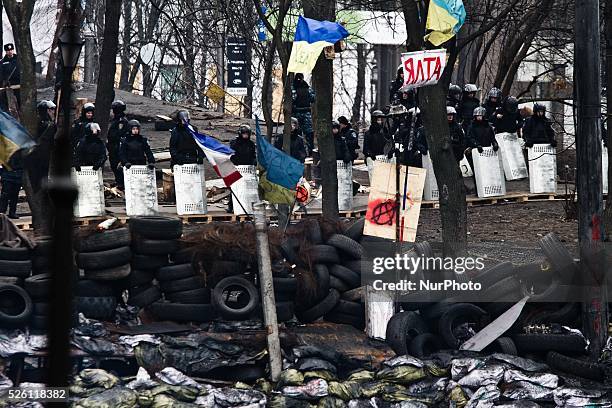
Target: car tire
pixel 146 297
pixel 245 307
pixel 181 285
pixel 355 230
pixel 402 328
pixel 175 272
pixel 346 245
pixel 106 259
pixel 195 296
pixel 139 277
pixel 581 368
pixel 100 308
pixel 90 288
pixel 325 254
pixel 177 312
pixel 460 312
pixel 38 286
pixel 156 227
pixel 423 345
pixel 21 269
pixel 351 278
pixel 342 318
pixel 155 246
pixel 15 306
pixel 110 274
pixel 149 262
pixel 537 343
pixel 321 309
pixel 102 241
pixel 337 284
pixel 14 253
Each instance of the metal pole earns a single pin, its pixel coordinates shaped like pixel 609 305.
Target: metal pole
pixel 267 290
pixel 587 85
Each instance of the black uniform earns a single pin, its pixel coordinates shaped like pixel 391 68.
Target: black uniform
pixel 78 129
pixel 466 110
pixel 454 102
pixel 394 90
pixel 491 108
pixel 135 150
pixel 413 156
pixel 297 148
pixel 90 152
pixel 342 151
pixel 538 130
pixel 480 134
pixel 37 162
pixel 245 152
pixel 351 140
pixel 11 184
pixel 117 130
pixel 183 148
pixel 510 122
pixel 10 74
pixel 375 140
pixel 457 138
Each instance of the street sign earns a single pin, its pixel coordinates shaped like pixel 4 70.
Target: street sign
pixel 423 68
pixel 215 93
pixel 237 66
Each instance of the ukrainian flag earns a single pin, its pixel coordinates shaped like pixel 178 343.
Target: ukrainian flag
pixel 444 19
pixel 311 36
pixel 279 173
pixel 13 137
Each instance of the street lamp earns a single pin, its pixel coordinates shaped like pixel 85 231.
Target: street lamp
pixel 63 193
pixel 70 44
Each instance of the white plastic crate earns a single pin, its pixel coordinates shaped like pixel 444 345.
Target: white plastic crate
pixel 345 185
pixel 466 169
pixel 190 189
pixel 90 201
pixel 604 168
pixel 512 157
pixel 430 192
pixel 245 189
pixel 542 169
pixel 140 191
pixel 487 169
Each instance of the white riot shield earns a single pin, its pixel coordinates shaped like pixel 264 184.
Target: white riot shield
pixel 381 158
pixel 604 168
pixel 245 189
pixel 466 169
pixel 430 192
pixel 542 169
pixel 345 185
pixel 140 191
pixel 190 189
pixel 512 157
pixel 90 202
pixel 487 169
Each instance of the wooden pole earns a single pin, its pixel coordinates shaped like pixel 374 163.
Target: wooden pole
pixel 267 290
pixel 588 156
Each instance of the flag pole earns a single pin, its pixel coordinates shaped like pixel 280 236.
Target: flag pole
pixel 239 203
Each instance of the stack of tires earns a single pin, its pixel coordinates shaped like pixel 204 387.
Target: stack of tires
pixel 38 288
pixel 104 258
pixel 186 297
pixel 336 265
pixel 40 255
pixel 15 265
pixel 154 239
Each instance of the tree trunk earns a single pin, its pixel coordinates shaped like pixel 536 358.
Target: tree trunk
pixel 266 90
pixel 126 40
pixel 19 14
pixel 108 66
pixel 360 91
pixel 323 82
pixel 607 215
pixel 432 101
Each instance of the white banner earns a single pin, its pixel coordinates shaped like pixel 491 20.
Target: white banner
pixel 423 68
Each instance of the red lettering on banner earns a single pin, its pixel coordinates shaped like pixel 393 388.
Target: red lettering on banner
pixel 420 76
pixel 437 69
pixel 409 73
pixel 429 60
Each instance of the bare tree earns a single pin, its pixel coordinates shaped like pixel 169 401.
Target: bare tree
pixel 106 78
pixel 607 215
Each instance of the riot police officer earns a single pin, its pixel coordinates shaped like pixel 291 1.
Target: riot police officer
pixel 183 147
pixel 78 127
pixel 117 131
pixel 91 150
pixel 135 148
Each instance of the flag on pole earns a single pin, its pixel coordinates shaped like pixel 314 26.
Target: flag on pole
pixel 444 19
pixel 279 173
pixel 218 156
pixel 13 137
pixel 311 36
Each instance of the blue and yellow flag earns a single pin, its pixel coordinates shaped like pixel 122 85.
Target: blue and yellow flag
pixel 279 173
pixel 444 19
pixel 311 36
pixel 13 137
